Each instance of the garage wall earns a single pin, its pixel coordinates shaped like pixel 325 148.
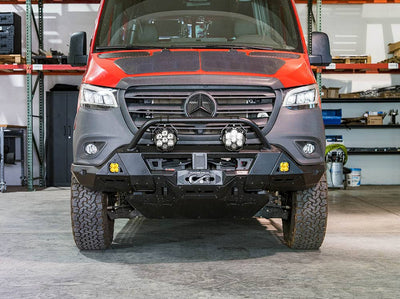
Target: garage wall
pixel 60 21
pixel 353 30
pixel 364 30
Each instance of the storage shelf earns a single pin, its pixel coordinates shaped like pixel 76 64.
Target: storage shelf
pixel 40 70
pixel 373 151
pixel 368 68
pixel 343 126
pixel 48 69
pixel 50 1
pixel 12 69
pixel 361 100
pixel 351 1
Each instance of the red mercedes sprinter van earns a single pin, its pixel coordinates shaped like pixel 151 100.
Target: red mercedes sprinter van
pixel 198 108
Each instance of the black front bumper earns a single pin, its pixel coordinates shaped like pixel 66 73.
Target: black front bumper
pixel 135 175
pixel 171 193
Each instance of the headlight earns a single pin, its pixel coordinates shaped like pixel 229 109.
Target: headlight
pixel 302 97
pixel 94 96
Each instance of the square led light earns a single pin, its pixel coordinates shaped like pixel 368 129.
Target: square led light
pixel 114 167
pixel 284 167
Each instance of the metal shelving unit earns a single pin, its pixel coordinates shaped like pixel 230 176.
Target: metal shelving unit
pixel 361 100
pixel 344 126
pixel 367 68
pixel 373 151
pixel 351 1
pixel 361 150
pixel 32 87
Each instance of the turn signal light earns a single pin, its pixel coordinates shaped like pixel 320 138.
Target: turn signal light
pixel 284 167
pixel 114 167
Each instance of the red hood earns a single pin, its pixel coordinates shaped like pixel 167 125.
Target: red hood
pixel 109 68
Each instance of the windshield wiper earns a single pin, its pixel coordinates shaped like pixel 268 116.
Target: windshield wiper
pixel 235 47
pixel 116 48
pixel 200 46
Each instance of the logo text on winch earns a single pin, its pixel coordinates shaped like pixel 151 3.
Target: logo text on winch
pixel 201 179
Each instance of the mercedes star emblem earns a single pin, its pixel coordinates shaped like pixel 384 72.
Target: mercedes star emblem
pixel 200 104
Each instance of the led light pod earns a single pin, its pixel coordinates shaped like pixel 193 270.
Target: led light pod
pixel 233 137
pixel 165 138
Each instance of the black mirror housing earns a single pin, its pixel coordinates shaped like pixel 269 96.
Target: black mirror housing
pixel 321 53
pixel 77 49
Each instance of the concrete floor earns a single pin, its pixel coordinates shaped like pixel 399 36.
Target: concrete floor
pixel 360 257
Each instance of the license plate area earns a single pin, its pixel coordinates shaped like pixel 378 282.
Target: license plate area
pixel 199 178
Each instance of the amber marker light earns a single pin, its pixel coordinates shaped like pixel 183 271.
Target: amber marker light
pixel 114 167
pixel 284 167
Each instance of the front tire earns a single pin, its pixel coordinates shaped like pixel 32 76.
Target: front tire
pixel 306 226
pixel 92 228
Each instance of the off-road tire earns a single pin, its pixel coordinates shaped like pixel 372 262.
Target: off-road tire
pixel 306 226
pixel 91 227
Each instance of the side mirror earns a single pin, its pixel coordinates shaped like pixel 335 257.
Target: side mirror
pixel 321 53
pixel 77 49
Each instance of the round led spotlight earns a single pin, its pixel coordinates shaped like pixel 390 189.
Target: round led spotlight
pixel 165 139
pixel 309 148
pixel 234 138
pixel 91 149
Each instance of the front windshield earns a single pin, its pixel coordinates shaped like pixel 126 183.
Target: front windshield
pixel 265 24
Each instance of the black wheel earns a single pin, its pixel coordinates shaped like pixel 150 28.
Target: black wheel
pixel 306 226
pixel 91 226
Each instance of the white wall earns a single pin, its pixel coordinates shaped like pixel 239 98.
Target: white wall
pixel 353 30
pixel 359 29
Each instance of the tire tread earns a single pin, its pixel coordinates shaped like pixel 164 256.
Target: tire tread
pixel 91 227
pixel 307 225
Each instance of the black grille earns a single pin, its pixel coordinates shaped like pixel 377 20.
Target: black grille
pixel 253 103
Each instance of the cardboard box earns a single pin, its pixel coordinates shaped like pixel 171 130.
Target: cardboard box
pixel 333 92
pixel 353 95
pixel 394 47
pixel 389 94
pixel 374 120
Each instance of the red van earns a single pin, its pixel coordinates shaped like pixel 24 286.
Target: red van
pixel 198 108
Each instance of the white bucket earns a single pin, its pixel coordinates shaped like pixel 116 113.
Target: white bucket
pixel 354 177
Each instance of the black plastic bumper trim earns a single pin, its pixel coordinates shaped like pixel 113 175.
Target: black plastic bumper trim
pixel 264 174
